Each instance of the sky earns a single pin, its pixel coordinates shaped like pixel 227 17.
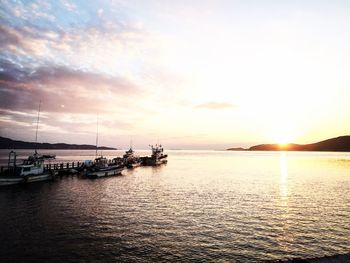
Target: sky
pixel 187 74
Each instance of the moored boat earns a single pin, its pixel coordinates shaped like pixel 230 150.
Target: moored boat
pixel 102 168
pixel 31 170
pixel 131 160
pixel 157 157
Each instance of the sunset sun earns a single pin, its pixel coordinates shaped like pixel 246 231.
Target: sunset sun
pixel 284 139
pixel 283 134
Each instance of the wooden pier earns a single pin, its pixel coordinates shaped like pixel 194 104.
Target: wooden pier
pixel 62 168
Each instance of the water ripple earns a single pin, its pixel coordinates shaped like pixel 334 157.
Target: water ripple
pixel 202 206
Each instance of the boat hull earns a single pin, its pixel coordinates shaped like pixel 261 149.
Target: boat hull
pixel 10 180
pixel 154 162
pixel 134 165
pixel 105 173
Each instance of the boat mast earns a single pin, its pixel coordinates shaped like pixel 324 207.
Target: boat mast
pixel 96 137
pixel 37 126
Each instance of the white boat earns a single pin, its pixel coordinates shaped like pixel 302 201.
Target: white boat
pixel 102 168
pixel 31 170
pixel 157 157
pixel 105 172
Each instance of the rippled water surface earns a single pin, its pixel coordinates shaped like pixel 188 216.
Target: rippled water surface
pixel 202 205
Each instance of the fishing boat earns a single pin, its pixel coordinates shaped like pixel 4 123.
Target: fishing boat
pixel 102 168
pixel 157 157
pixel 31 170
pixel 131 160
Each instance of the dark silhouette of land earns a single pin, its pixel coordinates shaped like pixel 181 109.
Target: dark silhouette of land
pixel 6 143
pixel 338 144
pixel 237 149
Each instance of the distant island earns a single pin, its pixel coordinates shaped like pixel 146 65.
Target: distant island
pixel 338 144
pixel 237 149
pixel 6 143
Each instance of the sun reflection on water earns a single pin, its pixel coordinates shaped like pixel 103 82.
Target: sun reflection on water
pixel 285 237
pixel 283 176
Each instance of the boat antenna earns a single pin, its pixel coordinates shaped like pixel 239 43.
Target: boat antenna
pixel 131 142
pixel 96 136
pixel 37 126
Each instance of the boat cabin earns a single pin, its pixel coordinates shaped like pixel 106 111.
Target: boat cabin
pixel 33 165
pixel 101 162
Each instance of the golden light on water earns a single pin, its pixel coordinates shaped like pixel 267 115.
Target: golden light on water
pixel 283 177
pixel 285 218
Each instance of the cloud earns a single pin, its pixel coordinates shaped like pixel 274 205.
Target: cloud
pixel 69 5
pixel 81 60
pixel 215 105
pixel 77 69
pixel 27 10
pixel 77 123
pixel 107 46
pixel 100 12
pixel 28 40
pixel 8 37
pixel 79 91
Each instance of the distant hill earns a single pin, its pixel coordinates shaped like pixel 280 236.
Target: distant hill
pixel 236 149
pixel 6 143
pixel 338 144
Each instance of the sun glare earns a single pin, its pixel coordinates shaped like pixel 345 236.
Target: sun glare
pixel 283 146
pixel 283 136
pixel 283 140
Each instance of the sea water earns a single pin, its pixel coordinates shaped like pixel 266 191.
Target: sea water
pixel 201 206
